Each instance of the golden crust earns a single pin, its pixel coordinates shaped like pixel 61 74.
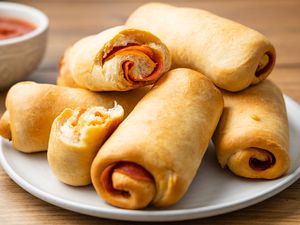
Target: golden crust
pixel 254 125
pixel 230 54
pixel 141 192
pixel 84 60
pixel 167 134
pixel 64 77
pixel 5 126
pixel 32 108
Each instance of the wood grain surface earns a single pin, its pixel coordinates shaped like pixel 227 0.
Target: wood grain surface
pixel 72 20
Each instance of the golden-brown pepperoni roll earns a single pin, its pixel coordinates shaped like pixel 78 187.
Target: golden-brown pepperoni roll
pixel 75 139
pixel 252 137
pixel 233 56
pixel 153 156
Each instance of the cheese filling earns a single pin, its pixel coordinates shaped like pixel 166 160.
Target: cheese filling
pixel 74 128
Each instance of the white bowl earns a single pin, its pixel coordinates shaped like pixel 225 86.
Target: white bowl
pixel 19 56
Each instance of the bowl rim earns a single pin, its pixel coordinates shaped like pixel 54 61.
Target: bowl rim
pixel 43 19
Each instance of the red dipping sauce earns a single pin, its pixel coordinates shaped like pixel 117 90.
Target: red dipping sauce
pixel 12 27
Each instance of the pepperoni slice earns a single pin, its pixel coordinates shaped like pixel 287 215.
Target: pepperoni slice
pixel 127 65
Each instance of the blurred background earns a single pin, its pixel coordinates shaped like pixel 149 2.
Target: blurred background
pixel 71 20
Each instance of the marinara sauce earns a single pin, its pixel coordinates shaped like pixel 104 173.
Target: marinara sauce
pixel 13 27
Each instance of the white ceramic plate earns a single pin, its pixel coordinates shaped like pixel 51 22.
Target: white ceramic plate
pixel 214 190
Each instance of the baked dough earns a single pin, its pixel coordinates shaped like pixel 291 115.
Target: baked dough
pixel 5 126
pixel 153 156
pixel 31 109
pixel 64 77
pixel 252 137
pixel 118 59
pixel 233 56
pixel 75 138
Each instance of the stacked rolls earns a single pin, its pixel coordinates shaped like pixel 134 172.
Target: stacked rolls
pixel 252 136
pixel 153 155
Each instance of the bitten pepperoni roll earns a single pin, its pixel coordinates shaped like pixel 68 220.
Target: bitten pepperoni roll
pixel 31 109
pixel 153 156
pixel 75 139
pixel 252 138
pixel 117 59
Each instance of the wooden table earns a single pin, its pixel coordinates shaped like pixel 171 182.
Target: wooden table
pixel 71 20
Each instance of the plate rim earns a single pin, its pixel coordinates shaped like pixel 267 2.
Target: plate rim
pixel 152 215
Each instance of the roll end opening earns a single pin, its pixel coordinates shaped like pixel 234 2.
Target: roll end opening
pixel 265 64
pixel 261 165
